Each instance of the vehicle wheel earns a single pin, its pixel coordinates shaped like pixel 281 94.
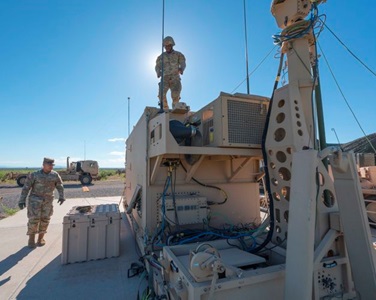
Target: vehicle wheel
pixel 85 179
pixel 371 213
pixel 21 181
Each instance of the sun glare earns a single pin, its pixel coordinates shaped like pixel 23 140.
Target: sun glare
pixel 152 59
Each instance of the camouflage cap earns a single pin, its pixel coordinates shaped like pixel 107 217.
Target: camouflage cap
pixel 47 160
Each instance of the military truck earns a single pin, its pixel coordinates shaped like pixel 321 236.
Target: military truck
pixel 82 170
pixel 19 177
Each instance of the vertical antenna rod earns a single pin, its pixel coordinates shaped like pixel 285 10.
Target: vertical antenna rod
pixel 129 109
pixel 336 137
pixel 246 46
pixel 161 83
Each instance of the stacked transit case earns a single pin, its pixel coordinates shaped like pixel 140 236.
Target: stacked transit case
pixel 91 232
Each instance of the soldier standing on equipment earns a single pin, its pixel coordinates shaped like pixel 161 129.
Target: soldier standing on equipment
pixel 42 184
pixel 173 67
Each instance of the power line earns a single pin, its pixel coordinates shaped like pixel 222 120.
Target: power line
pixel 254 70
pixel 356 57
pixel 344 98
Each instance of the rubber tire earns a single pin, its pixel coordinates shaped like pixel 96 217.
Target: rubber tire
pixel 371 213
pixel 21 180
pixel 85 179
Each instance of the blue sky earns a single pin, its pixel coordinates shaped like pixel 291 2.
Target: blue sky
pixel 67 68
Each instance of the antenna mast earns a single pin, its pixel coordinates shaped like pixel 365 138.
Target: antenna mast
pixel 161 83
pixel 129 108
pixel 246 45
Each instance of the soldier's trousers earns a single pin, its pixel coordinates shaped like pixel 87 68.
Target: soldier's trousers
pixel 172 83
pixel 39 213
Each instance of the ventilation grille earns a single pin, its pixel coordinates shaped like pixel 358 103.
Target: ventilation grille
pixel 246 122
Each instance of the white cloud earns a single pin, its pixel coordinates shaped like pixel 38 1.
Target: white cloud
pixel 113 163
pixel 118 153
pixel 116 140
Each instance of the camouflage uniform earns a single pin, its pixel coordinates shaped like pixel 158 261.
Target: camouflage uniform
pixel 173 63
pixel 40 208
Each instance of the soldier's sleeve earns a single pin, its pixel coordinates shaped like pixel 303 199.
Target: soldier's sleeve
pixel 59 186
pixel 182 62
pixel 26 188
pixel 158 65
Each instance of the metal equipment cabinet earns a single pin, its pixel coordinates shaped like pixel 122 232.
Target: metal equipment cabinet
pixel 91 232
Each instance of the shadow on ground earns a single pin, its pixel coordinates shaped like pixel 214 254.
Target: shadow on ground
pixel 9 262
pixel 75 185
pixel 98 279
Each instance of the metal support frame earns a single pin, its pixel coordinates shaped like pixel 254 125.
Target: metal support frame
pixel 301 227
pixel 355 224
pixel 246 161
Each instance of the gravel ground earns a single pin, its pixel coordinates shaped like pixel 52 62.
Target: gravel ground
pixel 11 193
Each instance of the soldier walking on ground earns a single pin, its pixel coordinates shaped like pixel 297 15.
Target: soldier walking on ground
pixel 41 185
pixel 173 66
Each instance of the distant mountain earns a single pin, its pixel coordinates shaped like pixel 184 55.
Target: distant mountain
pixel 361 145
pixel 19 168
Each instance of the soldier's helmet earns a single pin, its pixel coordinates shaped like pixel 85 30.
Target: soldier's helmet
pixel 168 40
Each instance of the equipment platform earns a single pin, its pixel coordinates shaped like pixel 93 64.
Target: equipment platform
pixel 38 273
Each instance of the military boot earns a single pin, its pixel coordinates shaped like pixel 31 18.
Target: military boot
pixel 41 242
pixel 31 243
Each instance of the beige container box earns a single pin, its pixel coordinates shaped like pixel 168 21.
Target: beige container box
pixel 91 232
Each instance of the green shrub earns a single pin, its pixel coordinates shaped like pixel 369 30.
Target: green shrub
pixel 3 175
pixel 104 174
pixel 9 211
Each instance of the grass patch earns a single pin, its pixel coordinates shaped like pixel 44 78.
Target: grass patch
pixel 5 173
pixel 106 174
pixel 9 211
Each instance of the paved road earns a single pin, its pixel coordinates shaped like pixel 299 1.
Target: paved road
pixel 73 189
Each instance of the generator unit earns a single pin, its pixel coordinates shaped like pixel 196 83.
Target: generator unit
pixel 176 182
pixel 233 121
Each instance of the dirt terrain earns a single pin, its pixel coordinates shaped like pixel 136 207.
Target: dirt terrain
pixel 10 193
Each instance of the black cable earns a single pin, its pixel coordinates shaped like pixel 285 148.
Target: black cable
pixel 159 232
pixel 266 168
pixel 173 186
pixel 254 70
pixel 315 71
pixel 343 44
pixel 301 60
pixel 321 19
pixel 276 245
pixel 344 98
pixel 295 31
pixel 232 245
pixel 138 251
pixel 209 186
